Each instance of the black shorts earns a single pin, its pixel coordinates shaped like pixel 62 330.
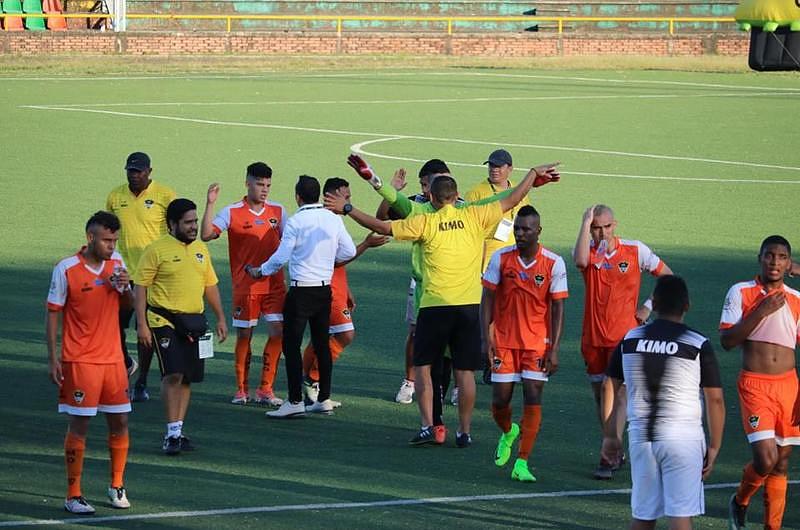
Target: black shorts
pixel 455 326
pixel 176 355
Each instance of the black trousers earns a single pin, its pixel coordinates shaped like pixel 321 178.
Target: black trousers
pixel 304 305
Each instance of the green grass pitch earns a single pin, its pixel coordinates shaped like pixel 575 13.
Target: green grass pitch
pixel 699 166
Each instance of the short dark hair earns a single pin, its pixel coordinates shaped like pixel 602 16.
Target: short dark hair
pixel 259 170
pixel 104 219
pixel 444 188
pixel 671 295
pixel 775 240
pixel 177 209
pixel 307 188
pixel 433 166
pixel 527 211
pixel 334 183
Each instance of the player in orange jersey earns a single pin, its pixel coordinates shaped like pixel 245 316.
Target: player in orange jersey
pixel 524 288
pixel 763 317
pixel 612 270
pixel 254 227
pixel 88 289
pixel 341 327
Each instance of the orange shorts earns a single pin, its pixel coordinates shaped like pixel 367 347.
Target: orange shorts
pixel 341 319
pixel 91 388
pixel 247 308
pixel 512 366
pixel 596 360
pixel 768 405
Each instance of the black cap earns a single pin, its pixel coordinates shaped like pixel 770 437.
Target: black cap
pixel 138 161
pixel 500 157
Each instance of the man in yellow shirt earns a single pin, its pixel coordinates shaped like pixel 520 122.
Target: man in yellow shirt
pixel 174 275
pixel 500 169
pixel 452 241
pixel 141 206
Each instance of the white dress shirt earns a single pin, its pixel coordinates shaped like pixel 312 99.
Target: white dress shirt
pixel 313 240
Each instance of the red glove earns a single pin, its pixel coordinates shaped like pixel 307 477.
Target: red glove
pixel 364 170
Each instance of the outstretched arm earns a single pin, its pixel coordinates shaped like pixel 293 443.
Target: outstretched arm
pixel 335 201
pixel 537 176
pixel 371 241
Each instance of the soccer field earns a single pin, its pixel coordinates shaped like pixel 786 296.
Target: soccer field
pixel 700 166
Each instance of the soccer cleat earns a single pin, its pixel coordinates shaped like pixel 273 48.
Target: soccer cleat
pixel 140 394
pixel 406 393
pixel 78 505
pixel 240 398
pixel 521 471
pixel 454 396
pixel 439 434
pixel 268 398
pixel 503 451
pixel 186 444
pixel 172 445
pixel 423 437
pixel 604 471
pixel 463 440
pixel 321 407
pixel 118 497
pixel 288 410
pixel 132 367
pixel 311 390
pixel 737 514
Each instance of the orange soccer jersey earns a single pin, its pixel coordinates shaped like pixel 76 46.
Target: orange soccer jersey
pixel 612 291
pixel 523 296
pixel 91 310
pixel 781 327
pixel 252 238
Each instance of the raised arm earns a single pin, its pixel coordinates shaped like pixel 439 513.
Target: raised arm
pixel 537 176
pixel 580 254
pixel 207 232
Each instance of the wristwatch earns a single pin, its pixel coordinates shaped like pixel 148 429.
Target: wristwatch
pixel 347 208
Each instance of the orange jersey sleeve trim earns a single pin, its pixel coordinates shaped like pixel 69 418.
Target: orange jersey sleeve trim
pixel 659 268
pixel 489 285
pixel 559 295
pixel 54 307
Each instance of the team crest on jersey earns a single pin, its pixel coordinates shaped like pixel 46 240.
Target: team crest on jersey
pixel 753 421
pixel 148 203
pixel 538 280
pixel 273 222
pixel 623 266
pixel 163 342
pixel 78 396
pixel 200 257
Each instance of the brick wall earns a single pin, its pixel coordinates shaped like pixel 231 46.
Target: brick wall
pixel 282 43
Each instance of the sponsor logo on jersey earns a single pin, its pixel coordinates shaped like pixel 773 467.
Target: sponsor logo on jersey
pixel 176 259
pixel 538 280
pixel 247 226
pixel 200 258
pixel 657 346
pixel 455 224
pixel 148 203
pixel 78 396
pixel 753 421
pixel 623 266
pixel 86 287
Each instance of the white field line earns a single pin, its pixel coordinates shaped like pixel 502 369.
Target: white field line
pixel 414 73
pixel 404 101
pixel 414 137
pixel 340 506
pixel 359 149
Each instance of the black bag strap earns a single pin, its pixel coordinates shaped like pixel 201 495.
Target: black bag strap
pixel 163 313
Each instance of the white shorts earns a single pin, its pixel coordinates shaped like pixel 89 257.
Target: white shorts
pixel 411 313
pixel 667 479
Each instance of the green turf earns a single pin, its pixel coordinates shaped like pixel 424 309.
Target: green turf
pixel 57 167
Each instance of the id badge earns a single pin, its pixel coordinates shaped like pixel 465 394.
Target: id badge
pixel 205 346
pixel 504 230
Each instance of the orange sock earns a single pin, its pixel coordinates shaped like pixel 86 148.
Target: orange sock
pixel 531 421
pixel 749 485
pixel 74 447
pixel 272 356
pixel 774 501
pixel 502 417
pixel 118 449
pixel 310 358
pixel 241 362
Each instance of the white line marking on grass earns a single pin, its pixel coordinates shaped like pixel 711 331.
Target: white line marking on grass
pixel 403 101
pixel 413 137
pixel 359 149
pixel 341 506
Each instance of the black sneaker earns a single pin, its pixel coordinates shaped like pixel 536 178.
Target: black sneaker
pixel 424 436
pixel 186 444
pixel 737 514
pixel 604 471
pixel 172 446
pixel 463 439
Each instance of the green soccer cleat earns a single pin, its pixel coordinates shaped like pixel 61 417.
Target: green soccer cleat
pixel 521 472
pixel 503 451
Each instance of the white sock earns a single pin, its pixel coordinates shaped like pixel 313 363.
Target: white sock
pixel 174 429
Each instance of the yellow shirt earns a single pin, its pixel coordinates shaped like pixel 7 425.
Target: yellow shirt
pixel 143 218
pixel 452 241
pixel 491 245
pixel 176 276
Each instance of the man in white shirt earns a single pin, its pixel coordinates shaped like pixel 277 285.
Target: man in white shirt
pixel 314 239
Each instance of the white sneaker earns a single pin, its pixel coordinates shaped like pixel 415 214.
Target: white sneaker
pixel 406 393
pixel 288 410
pixel 78 505
pixel 321 407
pixel 119 497
pixel 336 404
pixel 311 390
pixel 454 396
